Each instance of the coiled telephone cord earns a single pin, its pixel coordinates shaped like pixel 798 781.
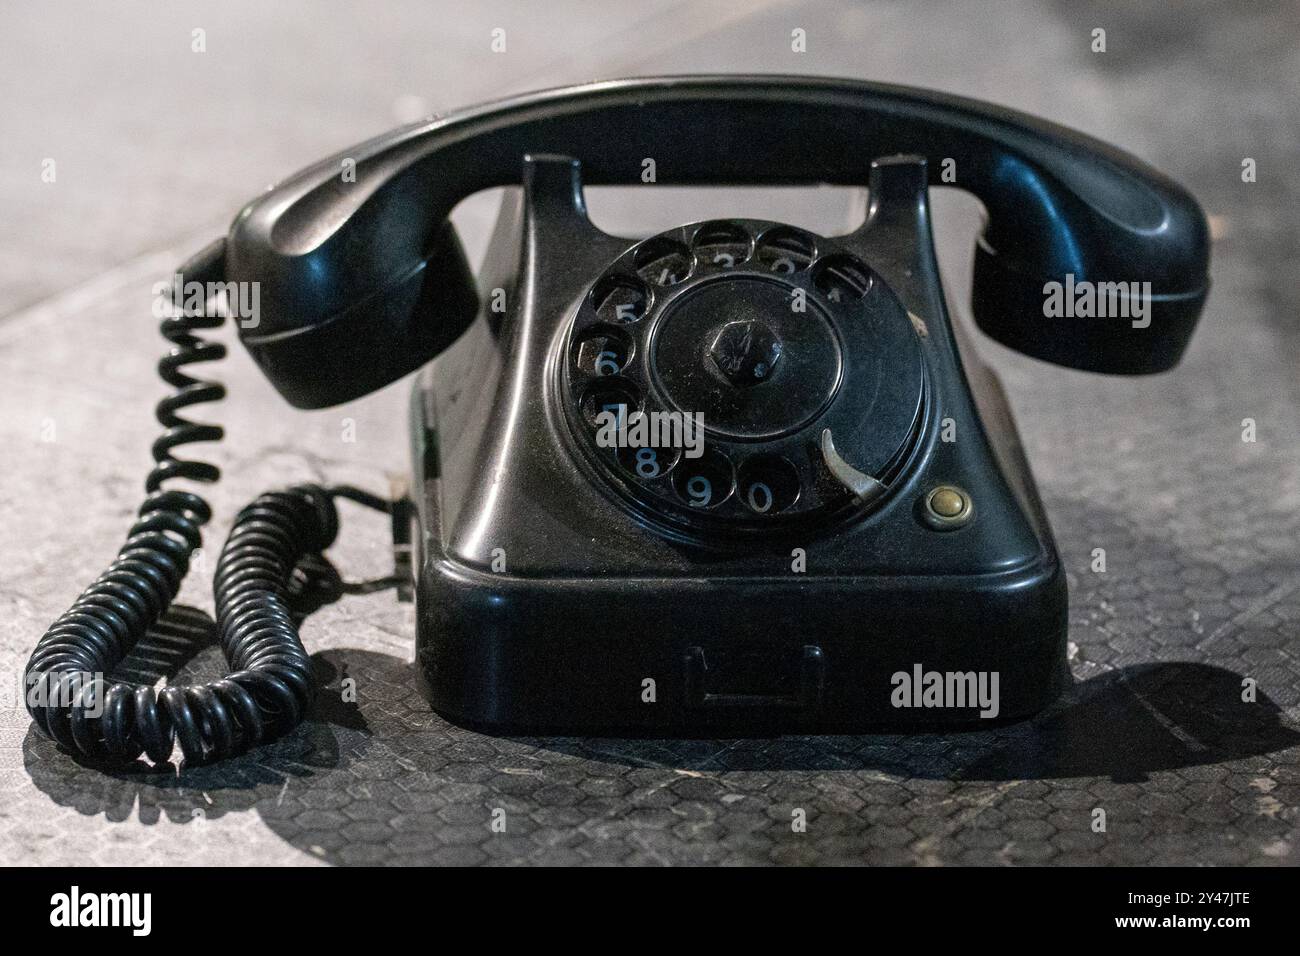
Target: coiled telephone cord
pixel 268 577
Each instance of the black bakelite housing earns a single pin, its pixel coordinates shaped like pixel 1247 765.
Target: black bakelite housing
pixel 555 591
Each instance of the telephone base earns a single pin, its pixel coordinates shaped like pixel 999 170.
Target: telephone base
pixel 688 657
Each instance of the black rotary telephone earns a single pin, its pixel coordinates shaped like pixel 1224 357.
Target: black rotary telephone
pixel 732 476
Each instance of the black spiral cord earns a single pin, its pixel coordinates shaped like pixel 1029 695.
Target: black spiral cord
pixel 269 576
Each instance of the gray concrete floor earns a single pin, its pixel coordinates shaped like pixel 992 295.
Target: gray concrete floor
pixel 155 148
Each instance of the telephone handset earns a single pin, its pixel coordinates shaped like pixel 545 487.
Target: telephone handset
pixel 735 475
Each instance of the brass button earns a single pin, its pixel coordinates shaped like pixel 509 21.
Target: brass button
pixel 947 503
pixel 947 507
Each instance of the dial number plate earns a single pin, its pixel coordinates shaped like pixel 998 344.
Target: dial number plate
pixel 704 364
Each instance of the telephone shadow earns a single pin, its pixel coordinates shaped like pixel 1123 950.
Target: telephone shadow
pixel 389 766
pixel 386 780
pixel 1122 725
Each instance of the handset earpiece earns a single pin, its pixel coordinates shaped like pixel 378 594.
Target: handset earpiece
pixel 366 265
pixel 1118 277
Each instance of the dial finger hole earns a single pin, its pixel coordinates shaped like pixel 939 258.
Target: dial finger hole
pixel 785 251
pixel 704 482
pixel 620 299
pixel 722 244
pixel 603 350
pixel 647 462
pixel 616 397
pixel 842 278
pixel 663 261
pixel 768 485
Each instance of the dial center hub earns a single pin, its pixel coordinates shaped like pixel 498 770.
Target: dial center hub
pixel 746 352
pixel 755 356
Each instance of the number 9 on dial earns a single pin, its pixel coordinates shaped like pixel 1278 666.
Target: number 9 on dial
pixel 704 482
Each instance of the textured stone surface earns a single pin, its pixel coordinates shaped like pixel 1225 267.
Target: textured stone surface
pixel 1201 530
